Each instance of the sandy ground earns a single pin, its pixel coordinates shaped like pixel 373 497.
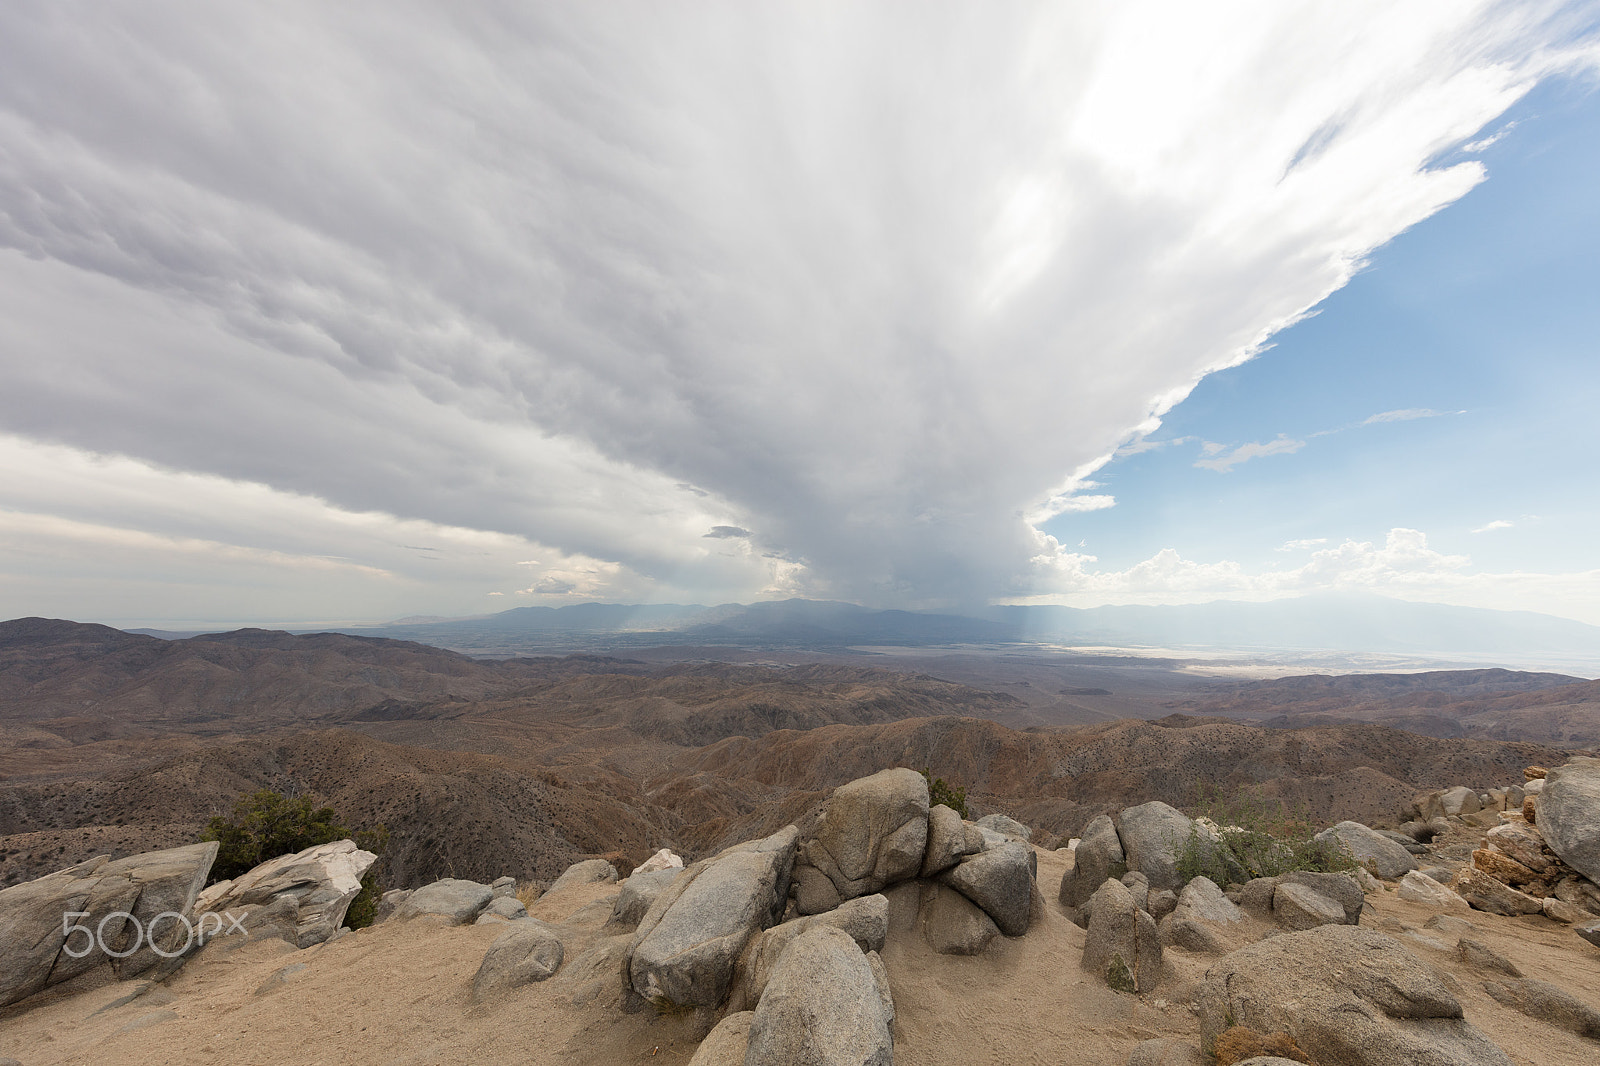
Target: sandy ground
pixel 398 995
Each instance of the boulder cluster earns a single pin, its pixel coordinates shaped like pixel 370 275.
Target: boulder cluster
pixel 1538 852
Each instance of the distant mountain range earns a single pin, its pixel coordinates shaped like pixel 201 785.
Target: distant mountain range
pixel 1344 624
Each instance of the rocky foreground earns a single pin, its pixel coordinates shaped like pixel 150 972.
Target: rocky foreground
pixel 877 929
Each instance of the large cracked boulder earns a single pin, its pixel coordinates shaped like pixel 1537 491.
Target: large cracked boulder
pixel 1371 849
pixel 872 833
pixel 1098 856
pixel 1000 880
pixel 865 919
pixel 1344 994
pixel 1569 815
pixel 34 917
pixel 1155 836
pixel 826 1005
pixel 684 951
pixel 1123 947
pixel 317 883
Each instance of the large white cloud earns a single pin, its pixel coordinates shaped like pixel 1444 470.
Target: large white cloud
pixel 873 285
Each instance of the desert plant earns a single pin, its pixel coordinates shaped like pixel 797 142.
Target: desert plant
pixel 1255 838
pixel 939 791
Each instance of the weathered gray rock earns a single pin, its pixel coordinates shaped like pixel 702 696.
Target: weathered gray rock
pixel 32 916
pixel 1590 931
pixel 503 886
pixel 390 902
pixel 1569 815
pixel 502 909
pixel 1346 995
pixel 638 892
pixel 1560 911
pixel 822 1007
pixel 1166 1052
pixel 1342 888
pixel 864 919
pixel 872 832
pixel 1484 893
pixel 1302 907
pixel 1521 841
pixel 1099 855
pixel 1255 896
pixel 1138 887
pixel 1548 1003
pixel 1203 901
pixel 1190 935
pixel 947 841
pixel 1460 800
pixel 1123 947
pixel 1377 853
pixel 1160 904
pixel 685 948
pixel 1006 826
pixel 527 951
pixel 1415 888
pixel 452 898
pixel 1000 881
pixel 321 881
pixel 727 1044
pixel 954 925
pixel 1154 835
pixel 587 872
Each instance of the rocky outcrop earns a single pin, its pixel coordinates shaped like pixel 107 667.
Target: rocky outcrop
pixel 638 893
pixel 528 951
pixel 1346 995
pixel 1098 856
pixel 684 951
pixel 453 899
pixel 1123 947
pixel 871 833
pixel 864 919
pixel 1000 881
pixel 318 883
pixel 1569 815
pixel 1486 894
pixel 826 1005
pixel 1376 852
pixel 103 894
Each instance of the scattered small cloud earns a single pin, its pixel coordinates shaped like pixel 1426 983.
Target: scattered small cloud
pixel 1224 460
pixel 1406 414
pixel 497 594
pixel 721 532
pixel 1480 145
pixel 1142 445
pixel 1302 545
pixel 1498 523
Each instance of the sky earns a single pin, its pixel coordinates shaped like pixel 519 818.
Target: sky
pixel 350 312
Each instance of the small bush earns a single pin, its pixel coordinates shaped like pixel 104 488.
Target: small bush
pixel 941 792
pixel 1258 838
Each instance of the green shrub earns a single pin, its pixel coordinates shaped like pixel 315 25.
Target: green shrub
pixel 1259 838
pixel 941 792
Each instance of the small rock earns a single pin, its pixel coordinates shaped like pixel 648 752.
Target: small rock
pixel 727 1044
pixel 947 841
pixel 1301 907
pixel 1138 887
pixel 1487 894
pixel 1160 904
pixel 665 859
pixel 503 886
pixel 1203 901
pixel 1416 888
pixel 1450 925
pixel 528 951
pixel 1460 800
pixel 1006 826
pixel 502 909
pixel 637 893
pixel 1565 913
pixel 1533 773
pixel 1379 854
pixel 587 872
pixel 459 901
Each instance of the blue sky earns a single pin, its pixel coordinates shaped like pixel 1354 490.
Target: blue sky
pixel 548 302
pixel 1486 314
